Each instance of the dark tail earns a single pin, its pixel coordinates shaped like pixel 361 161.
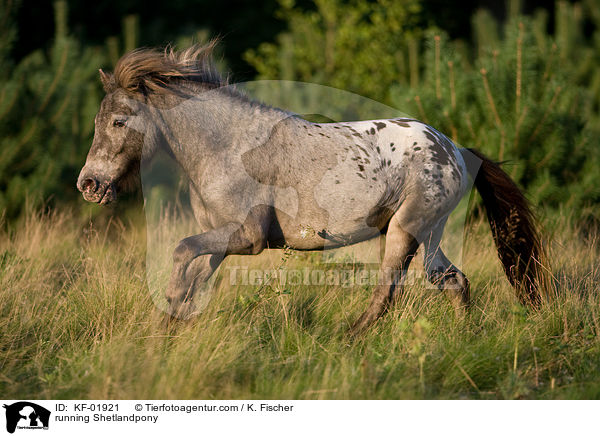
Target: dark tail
pixel 513 228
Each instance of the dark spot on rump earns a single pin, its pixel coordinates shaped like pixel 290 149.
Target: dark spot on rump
pixel 417 148
pixel 361 167
pixel 374 178
pixel 380 125
pixel 357 134
pixel 441 147
pixel 363 150
pixel 378 150
pixel 317 126
pixel 400 123
pixel 336 127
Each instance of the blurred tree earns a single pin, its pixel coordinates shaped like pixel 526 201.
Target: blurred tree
pixel 241 24
pixel 47 106
pixel 357 45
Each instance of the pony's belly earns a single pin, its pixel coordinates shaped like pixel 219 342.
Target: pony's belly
pixel 318 236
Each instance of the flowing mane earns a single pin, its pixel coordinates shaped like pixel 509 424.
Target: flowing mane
pixel 149 70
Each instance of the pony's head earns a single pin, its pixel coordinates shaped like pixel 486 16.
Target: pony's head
pixel 144 81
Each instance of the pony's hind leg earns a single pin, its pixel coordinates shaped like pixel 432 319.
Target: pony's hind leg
pixel 400 248
pixel 441 272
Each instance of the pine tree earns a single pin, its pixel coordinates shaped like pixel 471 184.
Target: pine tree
pixel 356 46
pixel 47 106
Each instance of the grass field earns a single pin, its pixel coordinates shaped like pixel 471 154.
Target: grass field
pixel 78 321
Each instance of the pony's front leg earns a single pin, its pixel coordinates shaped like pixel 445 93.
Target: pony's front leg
pixel 196 258
pixel 187 278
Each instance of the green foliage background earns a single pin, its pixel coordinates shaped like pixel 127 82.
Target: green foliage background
pixel 525 90
pixel 47 106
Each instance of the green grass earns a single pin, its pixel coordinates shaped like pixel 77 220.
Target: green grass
pixel 78 321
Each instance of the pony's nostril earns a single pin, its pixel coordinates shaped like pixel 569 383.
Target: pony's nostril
pixel 89 185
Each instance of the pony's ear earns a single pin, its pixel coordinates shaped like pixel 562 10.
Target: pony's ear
pixel 107 80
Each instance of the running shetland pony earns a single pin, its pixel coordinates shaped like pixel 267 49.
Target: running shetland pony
pixel 260 177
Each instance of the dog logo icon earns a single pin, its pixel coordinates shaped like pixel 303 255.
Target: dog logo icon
pixel 26 415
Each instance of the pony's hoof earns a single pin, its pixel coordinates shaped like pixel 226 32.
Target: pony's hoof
pixel 183 311
pixel 360 326
pixel 168 322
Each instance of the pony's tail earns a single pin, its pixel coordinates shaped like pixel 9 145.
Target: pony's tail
pixel 513 228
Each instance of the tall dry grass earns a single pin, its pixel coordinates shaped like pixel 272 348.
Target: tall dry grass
pixel 78 321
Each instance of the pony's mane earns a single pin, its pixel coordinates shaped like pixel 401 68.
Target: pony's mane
pixel 149 70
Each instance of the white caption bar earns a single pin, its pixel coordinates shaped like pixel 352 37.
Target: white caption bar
pixel 268 417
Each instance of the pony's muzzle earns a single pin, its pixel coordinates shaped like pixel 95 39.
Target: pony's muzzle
pixel 94 188
pixel 88 184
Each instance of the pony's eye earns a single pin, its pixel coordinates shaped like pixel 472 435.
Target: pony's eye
pixel 119 123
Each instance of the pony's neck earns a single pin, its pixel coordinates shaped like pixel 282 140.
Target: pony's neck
pixel 215 121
